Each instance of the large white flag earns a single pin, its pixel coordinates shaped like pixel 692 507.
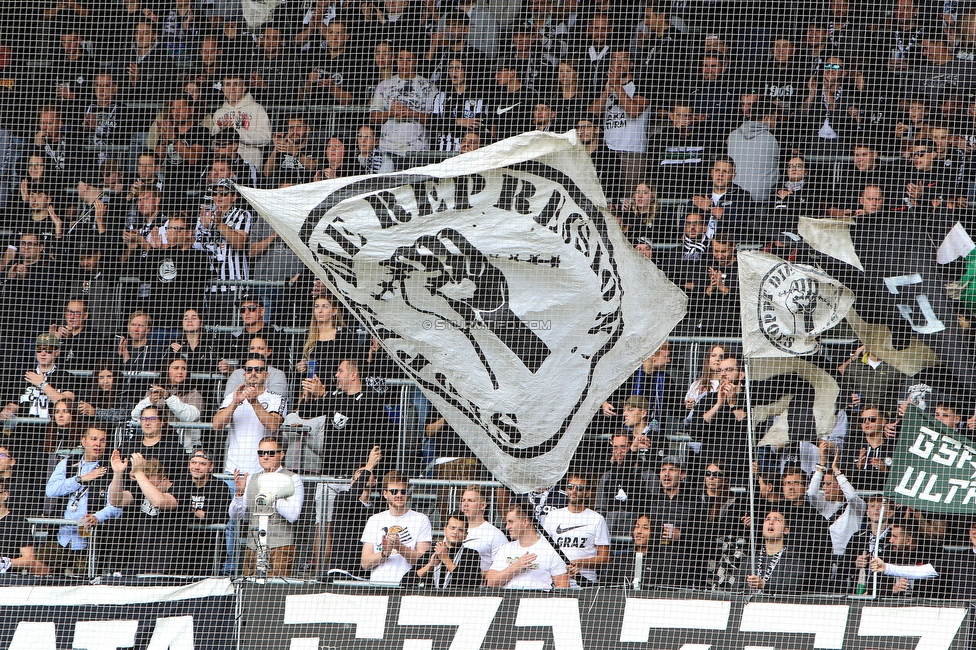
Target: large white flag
pixel 786 307
pixel 498 282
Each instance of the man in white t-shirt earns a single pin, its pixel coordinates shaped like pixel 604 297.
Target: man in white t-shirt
pixel 402 104
pixel 394 539
pixel 482 535
pixel 581 533
pixel 249 414
pixel 528 562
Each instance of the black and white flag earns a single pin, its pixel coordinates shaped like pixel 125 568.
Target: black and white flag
pixel 498 282
pixel 786 307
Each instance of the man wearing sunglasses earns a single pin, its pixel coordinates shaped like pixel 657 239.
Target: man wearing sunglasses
pixel 249 414
pixel 581 533
pixel 251 312
pixel 281 525
pixel 867 457
pixel 395 539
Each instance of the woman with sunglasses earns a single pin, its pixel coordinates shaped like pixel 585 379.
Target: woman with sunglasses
pixel 723 532
pixel 176 400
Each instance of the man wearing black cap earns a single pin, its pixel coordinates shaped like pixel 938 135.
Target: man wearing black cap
pixel 241 113
pixel 207 504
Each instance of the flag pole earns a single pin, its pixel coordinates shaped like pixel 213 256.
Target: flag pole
pixel 877 547
pixel 752 478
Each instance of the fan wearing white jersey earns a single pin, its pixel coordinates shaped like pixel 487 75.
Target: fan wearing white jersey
pixel 581 533
pixel 528 562
pixel 482 535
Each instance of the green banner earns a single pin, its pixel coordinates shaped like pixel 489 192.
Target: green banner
pixel 934 468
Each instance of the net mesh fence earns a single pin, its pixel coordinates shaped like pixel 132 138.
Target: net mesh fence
pixel 309 328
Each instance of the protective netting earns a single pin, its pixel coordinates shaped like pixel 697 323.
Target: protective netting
pixel 706 356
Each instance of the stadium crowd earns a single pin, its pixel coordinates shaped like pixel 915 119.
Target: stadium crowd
pixel 712 126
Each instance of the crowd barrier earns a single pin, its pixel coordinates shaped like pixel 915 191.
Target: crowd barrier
pixel 217 614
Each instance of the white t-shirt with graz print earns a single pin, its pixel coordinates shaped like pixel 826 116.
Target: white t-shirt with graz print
pixel 412 527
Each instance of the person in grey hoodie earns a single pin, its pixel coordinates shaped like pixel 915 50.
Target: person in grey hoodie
pixel 755 151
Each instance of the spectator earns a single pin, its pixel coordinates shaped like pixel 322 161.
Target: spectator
pixel 277 380
pixel 708 381
pixel 350 512
pixel 839 503
pixel 151 546
pixel 483 536
pixel 460 109
pixel 239 341
pixel 105 123
pixel 40 394
pixel 207 503
pixel 605 161
pixel 274 68
pixel 755 151
pixel 798 196
pixel 181 141
pixel 156 441
pixel 228 162
pixel 680 153
pixel 31 282
pixel 449 42
pixel 626 111
pixel 721 300
pixel 622 491
pixel 587 543
pixel 241 113
pixel 713 96
pixel 195 345
pixel 137 354
pixel 394 540
pixel 176 400
pixel 250 414
pixel 571 100
pixel 722 428
pixel 780 567
pixel 830 108
pixel 675 523
pixel 449 564
pixel 909 564
pixel 83 489
pixel 17 545
pixel 728 207
pixel 528 561
pixel 328 342
pixel 145 228
pixel 81 346
pixel 724 530
pixel 868 543
pixel 514 102
pixel 403 104
pixel 652 381
pixel 331 79
pixel 103 400
pixel 280 539
pixel 52 142
pixel 355 419
pixel 173 276
pixel 371 159
pixel 867 456
pixel 149 71
pixel 294 150
pixel 223 230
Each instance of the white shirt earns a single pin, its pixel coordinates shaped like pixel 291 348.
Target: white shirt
pixel 412 527
pixel 849 522
pixel 578 535
pixel 486 540
pixel 540 574
pixel 245 432
pixel 289 508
